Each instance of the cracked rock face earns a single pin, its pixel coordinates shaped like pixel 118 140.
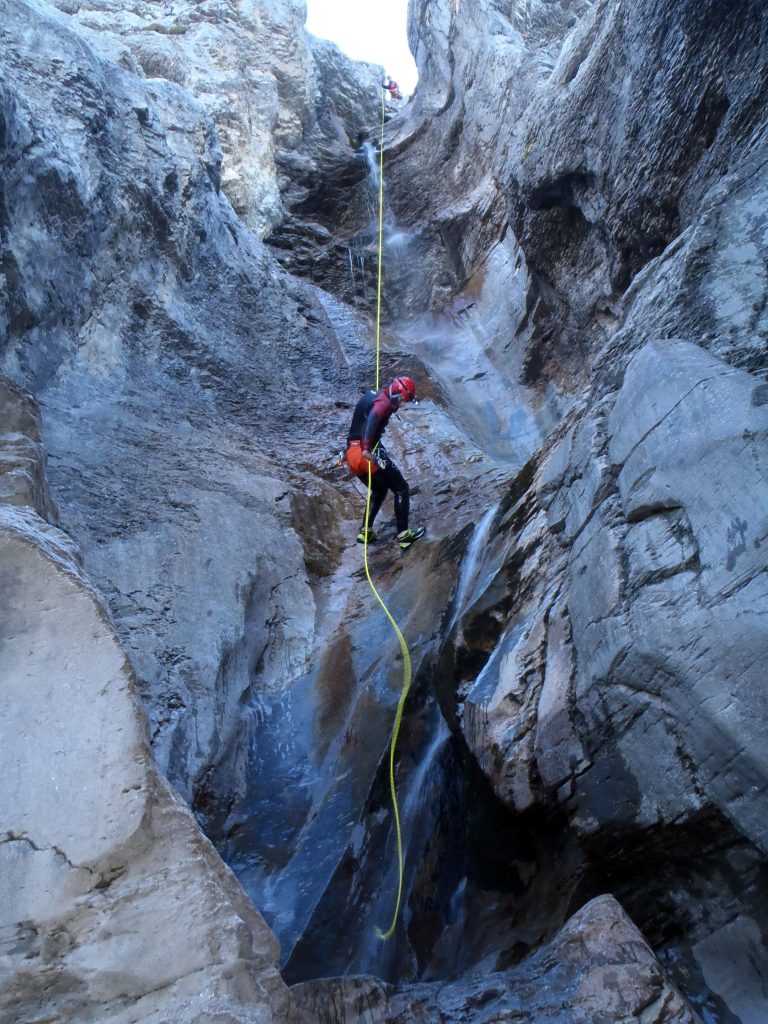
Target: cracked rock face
pixel 89 828
pixel 609 657
pixel 664 597
pixel 598 968
pixel 575 273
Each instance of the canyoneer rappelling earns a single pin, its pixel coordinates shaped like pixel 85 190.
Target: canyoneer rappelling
pixel 365 454
pixel 368 460
pixel 392 89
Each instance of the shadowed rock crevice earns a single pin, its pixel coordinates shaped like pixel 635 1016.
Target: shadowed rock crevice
pixel 700 883
pixel 571 964
pixel 467 899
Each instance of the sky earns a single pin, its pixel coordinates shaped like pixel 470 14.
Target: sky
pixel 368 30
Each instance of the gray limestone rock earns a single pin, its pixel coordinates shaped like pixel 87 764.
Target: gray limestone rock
pixel 597 968
pixel 156 431
pixel 694 442
pixel 603 163
pixel 274 93
pixel 22 458
pixel 574 189
pixel 195 397
pixel 628 142
pixel 647 706
pixel 114 906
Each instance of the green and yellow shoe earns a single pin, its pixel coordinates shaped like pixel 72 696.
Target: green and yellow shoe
pixel 406 537
pixel 371 537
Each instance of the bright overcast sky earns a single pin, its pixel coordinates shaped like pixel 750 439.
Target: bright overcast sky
pixel 368 30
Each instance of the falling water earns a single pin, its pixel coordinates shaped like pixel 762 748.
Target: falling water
pixel 351 270
pixel 494 411
pixel 416 817
pixel 373 182
pixel 471 564
pixel 361 260
pixel 367 238
pixel 414 801
pixel 372 156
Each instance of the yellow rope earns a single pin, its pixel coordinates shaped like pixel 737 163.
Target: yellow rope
pixel 401 639
pixel 381 241
pixel 398 719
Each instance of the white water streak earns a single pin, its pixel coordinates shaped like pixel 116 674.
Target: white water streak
pixel 471 563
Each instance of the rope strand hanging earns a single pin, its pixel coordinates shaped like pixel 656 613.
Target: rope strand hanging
pixel 401 639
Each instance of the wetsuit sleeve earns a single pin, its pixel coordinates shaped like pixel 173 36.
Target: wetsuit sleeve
pixel 378 417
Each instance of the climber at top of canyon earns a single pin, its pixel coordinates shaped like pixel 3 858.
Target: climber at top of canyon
pixel 391 87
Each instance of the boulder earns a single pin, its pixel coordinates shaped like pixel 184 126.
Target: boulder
pixel 115 907
pixel 597 968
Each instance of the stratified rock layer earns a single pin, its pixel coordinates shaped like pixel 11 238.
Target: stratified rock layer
pixel 22 457
pixel 599 968
pixel 115 907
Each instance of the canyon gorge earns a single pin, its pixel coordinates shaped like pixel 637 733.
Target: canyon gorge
pixel 199 687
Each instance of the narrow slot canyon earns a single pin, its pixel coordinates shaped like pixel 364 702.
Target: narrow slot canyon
pixel 568 255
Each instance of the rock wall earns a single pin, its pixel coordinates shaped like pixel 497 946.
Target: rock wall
pixel 274 93
pixel 114 907
pixel 607 662
pixel 188 423
pixel 125 304
pixel 603 140
pixel 574 273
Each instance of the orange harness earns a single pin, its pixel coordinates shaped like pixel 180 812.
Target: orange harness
pixel 358 464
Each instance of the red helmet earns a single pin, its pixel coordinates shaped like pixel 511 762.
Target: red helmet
pixel 404 387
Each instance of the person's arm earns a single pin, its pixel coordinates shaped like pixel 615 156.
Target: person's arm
pixel 378 417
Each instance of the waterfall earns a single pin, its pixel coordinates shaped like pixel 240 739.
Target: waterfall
pixel 372 156
pixel 470 564
pixel 372 183
pixel 351 269
pixel 417 822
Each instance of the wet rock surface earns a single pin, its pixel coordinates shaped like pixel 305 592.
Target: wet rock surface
pixel 574 269
pixel 175 364
pixel 593 160
pixel 598 968
pixel 625 196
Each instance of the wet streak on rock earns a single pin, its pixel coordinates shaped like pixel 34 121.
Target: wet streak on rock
pixel 480 882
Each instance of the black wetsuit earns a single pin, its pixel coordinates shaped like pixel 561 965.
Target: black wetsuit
pixel 369 421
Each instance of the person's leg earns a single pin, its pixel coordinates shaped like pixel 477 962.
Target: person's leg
pixel 378 494
pixel 379 488
pixel 389 478
pixel 396 482
pixel 402 505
